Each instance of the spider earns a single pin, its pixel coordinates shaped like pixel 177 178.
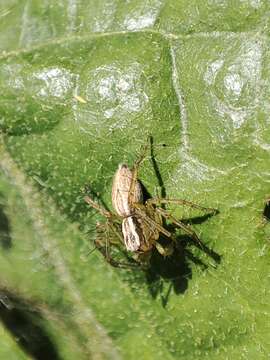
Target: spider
pixel 136 224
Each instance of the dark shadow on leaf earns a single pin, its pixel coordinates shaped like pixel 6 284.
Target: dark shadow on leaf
pixel 24 321
pixel 5 231
pixel 266 210
pixel 156 168
pixel 146 194
pixel 175 270
pixel 198 219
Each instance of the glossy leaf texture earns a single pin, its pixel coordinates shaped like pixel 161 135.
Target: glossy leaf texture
pixel 83 83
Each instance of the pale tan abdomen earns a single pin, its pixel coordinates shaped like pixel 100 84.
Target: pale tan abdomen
pixel 121 189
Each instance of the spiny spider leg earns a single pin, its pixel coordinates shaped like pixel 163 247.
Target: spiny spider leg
pixel 105 250
pixel 98 207
pixel 110 219
pixel 116 230
pixel 158 201
pixel 107 245
pixel 135 170
pixel 186 228
pixel 110 216
pixel 150 221
pixel 116 263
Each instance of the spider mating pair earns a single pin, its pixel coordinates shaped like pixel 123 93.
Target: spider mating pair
pixel 138 225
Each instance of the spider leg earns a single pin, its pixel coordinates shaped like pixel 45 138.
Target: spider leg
pixel 119 264
pixel 110 217
pixel 135 170
pixel 98 207
pixel 157 201
pixel 163 250
pixel 103 245
pixel 116 230
pixel 181 225
pixel 112 224
pixel 150 221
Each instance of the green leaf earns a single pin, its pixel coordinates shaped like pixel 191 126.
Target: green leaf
pixel 82 85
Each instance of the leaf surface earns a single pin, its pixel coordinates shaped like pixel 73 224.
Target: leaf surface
pixel 82 85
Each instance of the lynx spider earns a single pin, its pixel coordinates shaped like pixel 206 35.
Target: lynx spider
pixel 142 222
